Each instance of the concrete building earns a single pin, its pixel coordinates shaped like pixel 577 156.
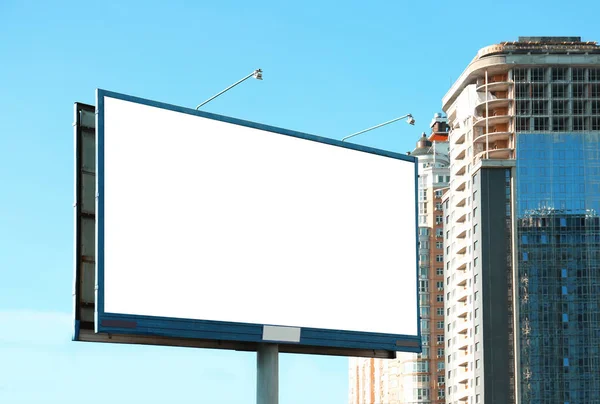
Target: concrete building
pixel 522 239
pixel 417 378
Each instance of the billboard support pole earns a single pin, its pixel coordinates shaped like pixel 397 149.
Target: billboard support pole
pixel 267 374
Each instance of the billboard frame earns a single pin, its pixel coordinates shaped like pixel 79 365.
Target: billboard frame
pixel 243 336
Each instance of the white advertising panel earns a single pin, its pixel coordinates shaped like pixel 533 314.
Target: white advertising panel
pixel 217 220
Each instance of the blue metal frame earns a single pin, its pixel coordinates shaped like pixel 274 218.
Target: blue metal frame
pixel 216 330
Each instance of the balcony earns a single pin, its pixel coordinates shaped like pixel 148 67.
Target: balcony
pixel 463 359
pixel 460 246
pixel 461 263
pixel 461 230
pixel 462 218
pixel 461 170
pixel 462 296
pixel 462 375
pixel 493 120
pixel 461 137
pixel 493 86
pixel 493 137
pixel 505 153
pixel 461 278
pixel 492 103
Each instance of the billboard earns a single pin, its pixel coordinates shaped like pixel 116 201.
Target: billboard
pixel 214 229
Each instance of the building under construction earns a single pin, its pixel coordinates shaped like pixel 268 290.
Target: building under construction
pixel 522 240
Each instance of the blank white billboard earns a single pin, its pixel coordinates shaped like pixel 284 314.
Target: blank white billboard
pixel 209 220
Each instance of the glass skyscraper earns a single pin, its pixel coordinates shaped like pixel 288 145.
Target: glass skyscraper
pixel 522 242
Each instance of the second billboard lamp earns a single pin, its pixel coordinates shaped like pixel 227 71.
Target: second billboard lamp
pixel 257 74
pixel 410 120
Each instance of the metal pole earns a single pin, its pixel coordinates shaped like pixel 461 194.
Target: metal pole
pixel 254 73
pixel 376 126
pixel 267 374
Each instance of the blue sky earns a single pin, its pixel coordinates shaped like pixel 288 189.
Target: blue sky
pixel 330 68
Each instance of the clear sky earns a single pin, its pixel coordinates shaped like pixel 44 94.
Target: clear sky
pixel 330 68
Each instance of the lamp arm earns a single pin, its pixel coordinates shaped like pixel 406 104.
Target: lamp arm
pixel 376 126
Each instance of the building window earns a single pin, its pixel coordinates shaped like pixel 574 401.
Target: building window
pixel 421 394
pixel 559 91
pixel 440 325
pixel 522 91
pixel 594 74
pixel 438 206
pixel 540 124
pixel 559 124
pixel 439 311
pixel 578 74
pixel 559 73
pixel 523 124
pixel 439 298
pixel 439 258
pixel 538 92
pixel 539 107
pixel 579 107
pixel 439 232
pixel 439 245
pixel 439 271
pixel 440 340
pixel 423 285
pixel 578 90
pixel 523 107
pixel 440 285
pixel 538 74
pixel 477 364
pixel 560 107
pixel 520 75
pixel 439 219
pixel 440 366
pixel 578 124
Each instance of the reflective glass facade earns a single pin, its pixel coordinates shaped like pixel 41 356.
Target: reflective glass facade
pixel 558 255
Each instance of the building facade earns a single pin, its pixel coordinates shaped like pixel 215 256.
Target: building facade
pixel 522 241
pixel 412 378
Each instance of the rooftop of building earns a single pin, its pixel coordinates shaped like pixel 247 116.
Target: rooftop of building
pixel 493 56
pixel 540 44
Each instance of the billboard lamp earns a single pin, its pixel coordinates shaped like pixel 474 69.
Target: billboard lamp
pixel 410 120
